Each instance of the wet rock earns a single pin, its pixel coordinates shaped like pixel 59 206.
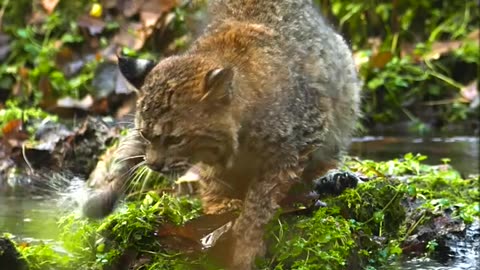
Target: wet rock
pixel 9 257
pixel 439 229
pixel 105 79
pixel 58 155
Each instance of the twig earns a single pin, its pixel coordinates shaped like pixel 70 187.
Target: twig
pixel 2 11
pixel 442 77
pixel 26 159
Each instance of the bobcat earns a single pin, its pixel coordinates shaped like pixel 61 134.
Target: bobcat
pixel 267 97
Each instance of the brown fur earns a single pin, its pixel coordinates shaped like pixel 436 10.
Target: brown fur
pixel 267 97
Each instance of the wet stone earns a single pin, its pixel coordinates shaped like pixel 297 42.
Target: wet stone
pixel 9 256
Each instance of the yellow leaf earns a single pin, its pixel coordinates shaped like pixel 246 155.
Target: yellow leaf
pixel 96 10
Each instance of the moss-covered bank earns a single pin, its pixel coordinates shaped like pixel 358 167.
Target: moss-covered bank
pixel 405 208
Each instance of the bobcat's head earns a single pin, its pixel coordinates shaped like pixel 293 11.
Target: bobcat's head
pixel 183 111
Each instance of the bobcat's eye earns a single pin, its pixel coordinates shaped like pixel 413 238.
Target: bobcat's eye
pixel 173 140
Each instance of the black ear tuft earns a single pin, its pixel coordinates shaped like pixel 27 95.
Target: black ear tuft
pixel 218 84
pixel 134 70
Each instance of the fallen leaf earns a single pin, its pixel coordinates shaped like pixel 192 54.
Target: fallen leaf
pixel 380 59
pixel 110 3
pixel 441 48
pixel 210 239
pixel 39 17
pixel 159 6
pixel 96 10
pixel 48 99
pixel 23 72
pixel 132 36
pixel 474 35
pixel 127 108
pixel 121 86
pixel 49 5
pixel 101 106
pixel 131 7
pixel 149 19
pixel 198 234
pixel 68 102
pixel 105 78
pixel 64 55
pixel 95 26
pixel 12 126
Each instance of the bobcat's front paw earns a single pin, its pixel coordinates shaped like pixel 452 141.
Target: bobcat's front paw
pixel 335 182
pixel 100 204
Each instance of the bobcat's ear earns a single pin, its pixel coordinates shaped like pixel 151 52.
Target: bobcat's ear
pixel 218 84
pixel 134 70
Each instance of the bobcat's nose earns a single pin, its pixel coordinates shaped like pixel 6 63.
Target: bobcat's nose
pixel 157 166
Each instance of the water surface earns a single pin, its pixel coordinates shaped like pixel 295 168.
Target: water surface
pixel 29 218
pixel 463 151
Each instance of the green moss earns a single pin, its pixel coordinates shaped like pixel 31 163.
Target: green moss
pixel 362 228
pixel 323 241
pixel 376 204
pixel 99 244
pixel 342 234
pixel 44 257
pixel 366 226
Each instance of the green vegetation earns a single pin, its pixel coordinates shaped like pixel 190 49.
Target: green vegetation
pixel 95 245
pixel 33 68
pixel 417 57
pixel 53 52
pixel 365 227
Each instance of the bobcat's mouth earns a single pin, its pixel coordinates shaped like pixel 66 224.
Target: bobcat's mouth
pixel 189 176
pixel 175 170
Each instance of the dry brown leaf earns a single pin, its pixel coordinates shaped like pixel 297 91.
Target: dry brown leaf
pixel 149 19
pixel 132 36
pixel 95 26
pixel 159 6
pixel 441 48
pixel 49 5
pixel 38 17
pixel 380 59
pixel 131 7
pixel 68 102
pixel 12 126
pixel 109 3
pixel 152 10
pixel 49 100
pixel 474 35
pixel 65 54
